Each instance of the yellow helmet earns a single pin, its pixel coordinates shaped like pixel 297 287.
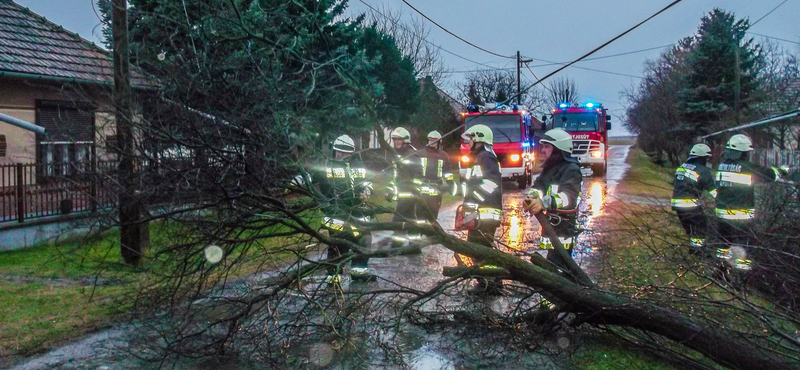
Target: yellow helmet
pixel 401 133
pixel 479 134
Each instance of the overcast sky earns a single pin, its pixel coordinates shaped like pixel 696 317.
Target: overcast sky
pixel 553 30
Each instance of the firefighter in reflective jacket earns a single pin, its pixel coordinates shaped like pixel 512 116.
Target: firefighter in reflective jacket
pixel 406 168
pixel 557 190
pixel 692 180
pixel 437 177
pixel 735 210
pixel 483 196
pixel 344 186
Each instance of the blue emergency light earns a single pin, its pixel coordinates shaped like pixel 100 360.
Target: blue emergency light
pixel 563 105
pixel 589 105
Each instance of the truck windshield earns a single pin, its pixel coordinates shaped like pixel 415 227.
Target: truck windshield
pixel 575 122
pixel 505 127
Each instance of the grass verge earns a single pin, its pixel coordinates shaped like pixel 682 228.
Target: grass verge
pixel 644 178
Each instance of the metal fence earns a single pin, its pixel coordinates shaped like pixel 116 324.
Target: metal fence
pixel 777 157
pixel 30 191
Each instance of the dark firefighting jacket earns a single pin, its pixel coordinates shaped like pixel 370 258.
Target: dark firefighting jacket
pixel 435 171
pixel 692 179
pixel 406 168
pixel 735 179
pixel 344 186
pixel 561 179
pixel 482 185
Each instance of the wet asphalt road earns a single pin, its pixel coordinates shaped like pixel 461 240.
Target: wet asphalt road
pixel 518 234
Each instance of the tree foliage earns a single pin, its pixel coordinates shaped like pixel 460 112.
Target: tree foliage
pixel 411 39
pixel 563 90
pixel 710 81
pixel 489 86
pixel 251 94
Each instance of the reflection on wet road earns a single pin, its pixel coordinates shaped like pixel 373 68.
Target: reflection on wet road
pixel 519 233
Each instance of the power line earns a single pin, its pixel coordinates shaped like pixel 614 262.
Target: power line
pixel 424 39
pixel 768 13
pixel 562 63
pixel 581 58
pixel 773 37
pixel 454 35
pixel 537 78
pixel 602 46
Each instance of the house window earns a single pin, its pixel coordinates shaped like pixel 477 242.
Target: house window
pixel 64 151
pixel 3 145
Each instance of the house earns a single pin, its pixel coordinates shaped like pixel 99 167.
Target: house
pixel 55 79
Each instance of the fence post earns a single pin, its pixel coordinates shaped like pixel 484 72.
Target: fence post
pixel 95 178
pixel 20 193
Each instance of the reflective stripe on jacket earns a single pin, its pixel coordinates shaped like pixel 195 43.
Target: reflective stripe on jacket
pixel 692 179
pixel 482 183
pixel 736 196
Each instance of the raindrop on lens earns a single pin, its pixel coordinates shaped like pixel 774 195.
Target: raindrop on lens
pixel 213 254
pixel 320 354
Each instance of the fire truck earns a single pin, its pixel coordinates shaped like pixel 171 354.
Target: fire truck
pixel 513 144
pixel 589 125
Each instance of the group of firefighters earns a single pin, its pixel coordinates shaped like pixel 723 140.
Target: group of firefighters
pixel 420 177
pixel 732 189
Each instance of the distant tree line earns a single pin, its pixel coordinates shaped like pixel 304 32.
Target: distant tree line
pixel 716 79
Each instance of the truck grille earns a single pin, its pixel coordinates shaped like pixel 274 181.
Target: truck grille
pixel 581 147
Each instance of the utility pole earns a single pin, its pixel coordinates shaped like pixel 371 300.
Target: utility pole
pixel 134 233
pixel 519 88
pixel 737 73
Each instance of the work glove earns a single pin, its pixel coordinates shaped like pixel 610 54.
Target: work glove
pixel 784 170
pixel 532 204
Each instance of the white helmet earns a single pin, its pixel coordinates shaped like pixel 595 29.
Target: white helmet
pixel 401 133
pixel 700 150
pixel 479 134
pixel 434 135
pixel 740 143
pixel 558 138
pixel 344 144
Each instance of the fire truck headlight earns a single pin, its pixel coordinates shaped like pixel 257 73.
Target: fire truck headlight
pixel 597 154
pixel 514 157
pixel 464 159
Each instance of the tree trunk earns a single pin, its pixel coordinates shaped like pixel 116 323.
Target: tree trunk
pixel 134 232
pixel 726 347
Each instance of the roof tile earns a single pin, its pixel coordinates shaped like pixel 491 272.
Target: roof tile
pixel 31 44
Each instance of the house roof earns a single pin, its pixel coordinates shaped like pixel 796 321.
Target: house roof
pixel 33 47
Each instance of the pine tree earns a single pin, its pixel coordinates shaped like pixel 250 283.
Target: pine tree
pixel 720 90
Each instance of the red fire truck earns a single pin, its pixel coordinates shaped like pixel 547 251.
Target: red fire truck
pixel 513 145
pixel 589 125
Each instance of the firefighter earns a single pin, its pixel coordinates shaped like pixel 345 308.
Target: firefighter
pixel 735 209
pixel 692 180
pixel 437 177
pixel 483 194
pixel 557 190
pixel 347 191
pixel 406 168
